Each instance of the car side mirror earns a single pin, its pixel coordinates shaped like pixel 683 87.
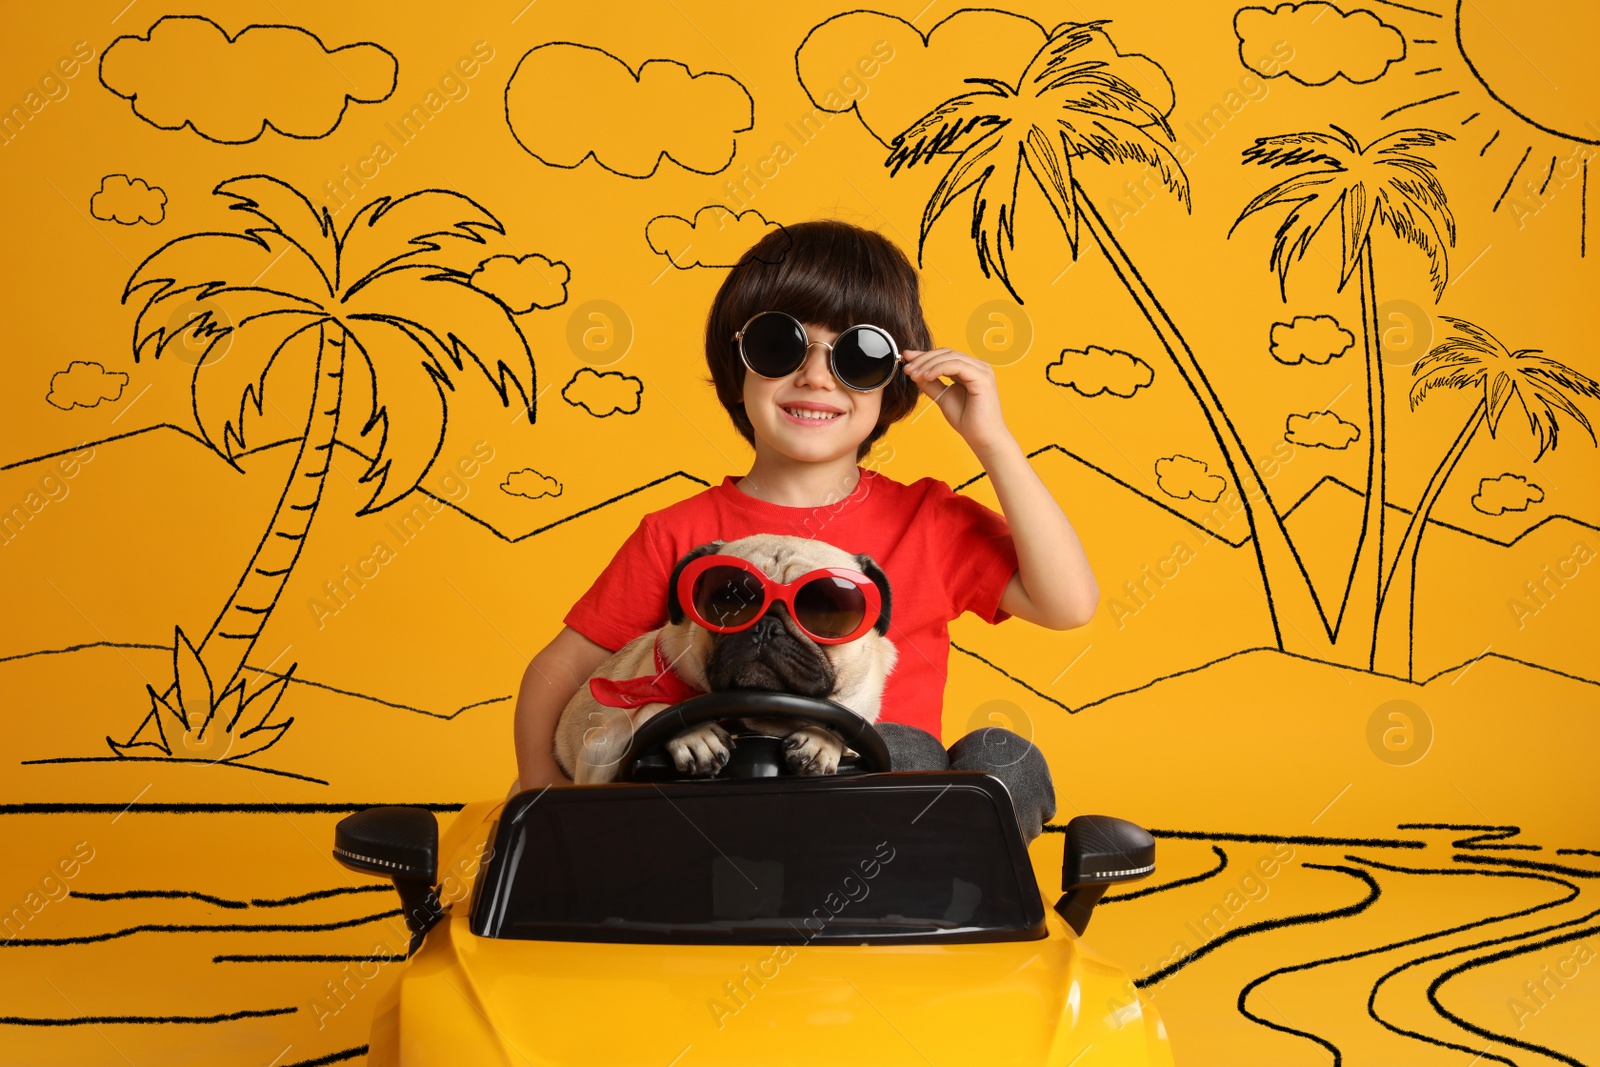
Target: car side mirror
pixel 1100 852
pixel 401 843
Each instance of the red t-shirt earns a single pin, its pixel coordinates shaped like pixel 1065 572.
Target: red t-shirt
pixel 943 554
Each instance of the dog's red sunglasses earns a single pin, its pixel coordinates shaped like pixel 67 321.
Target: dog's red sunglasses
pixel 726 594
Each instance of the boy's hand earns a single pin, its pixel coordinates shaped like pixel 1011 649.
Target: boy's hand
pixel 971 401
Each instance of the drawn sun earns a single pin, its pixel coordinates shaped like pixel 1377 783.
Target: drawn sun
pixel 1527 85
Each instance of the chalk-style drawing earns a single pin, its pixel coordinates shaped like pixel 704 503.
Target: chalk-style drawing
pixel 1386 181
pixel 1481 72
pixel 128 201
pixel 1432 938
pixel 603 394
pixel 187 71
pixel 1505 492
pixel 1094 370
pixel 389 330
pixel 671 478
pixel 188 928
pixel 523 283
pixel 890 73
pixel 1236 541
pixel 84 384
pixel 531 484
pixel 1262 926
pixel 1537 101
pixel 226 902
pixel 134 1020
pixel 1565 936
pixel 196 714
pixel 1423 966
pixel 1314 43
pixel 1309 338
pixel 1573 529
pixel 997 129
pixel 1089 88
pixel 716 237
pixel 1522 917
pixel 1320 429
pixel 1472 359
pixel 1181 477
pixel 1389 182
pixel 568 102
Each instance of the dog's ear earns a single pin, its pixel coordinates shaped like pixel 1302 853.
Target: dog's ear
pixel 675 609
pixel 870 568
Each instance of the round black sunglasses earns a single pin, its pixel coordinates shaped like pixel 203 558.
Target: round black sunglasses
pixel 774 345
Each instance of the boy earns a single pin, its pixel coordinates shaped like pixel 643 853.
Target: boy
pixel 942 553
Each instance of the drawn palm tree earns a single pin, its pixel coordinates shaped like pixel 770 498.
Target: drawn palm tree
pixel 1386 182
pixel 1068 105
pixel 390 321
pixel 1472 359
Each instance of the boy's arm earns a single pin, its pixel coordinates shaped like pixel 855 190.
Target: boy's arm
pixel 547 685
pixel 1054 585
pixel 623 603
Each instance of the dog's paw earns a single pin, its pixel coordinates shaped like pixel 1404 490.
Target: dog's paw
pixel 812 750
pixel 702 751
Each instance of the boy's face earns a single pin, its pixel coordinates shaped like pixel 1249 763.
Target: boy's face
pixel 783 411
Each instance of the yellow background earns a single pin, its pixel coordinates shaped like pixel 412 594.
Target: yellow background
pixel 1178 707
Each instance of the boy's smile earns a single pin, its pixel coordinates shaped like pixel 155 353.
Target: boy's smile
pixel 810 411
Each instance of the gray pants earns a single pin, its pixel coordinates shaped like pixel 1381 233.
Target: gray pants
pixel 1007 755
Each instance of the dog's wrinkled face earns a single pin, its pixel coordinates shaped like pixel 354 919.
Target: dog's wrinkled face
pixel 775 653
pixel 772 654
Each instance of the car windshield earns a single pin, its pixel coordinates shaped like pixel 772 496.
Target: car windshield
pixel 741 862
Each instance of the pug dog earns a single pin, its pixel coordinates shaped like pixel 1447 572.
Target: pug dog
pixel 664 666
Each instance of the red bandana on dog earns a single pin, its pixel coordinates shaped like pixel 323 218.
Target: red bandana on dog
pixel 666 686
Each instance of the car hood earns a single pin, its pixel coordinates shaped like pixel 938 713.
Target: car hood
pixel 1047 1001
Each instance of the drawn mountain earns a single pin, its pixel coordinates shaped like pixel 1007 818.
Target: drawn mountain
pixel 1226 746
pixel 408 627
pixel 1523 596
pixel 443 625
pixel 1174 596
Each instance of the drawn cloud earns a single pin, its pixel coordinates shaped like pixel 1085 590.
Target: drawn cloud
pixel 84 385
pixel 1314 339
pixel 1324 42
pixel 605 394
pixel 187 71
pixel 716 238
pixel 129 201
pixel 523 283
pixel 1508 492
pixel 567 102
pixel 891 74
pixel 531 484
pixel 1095 370
pixel 1320 429
pixel 1181 477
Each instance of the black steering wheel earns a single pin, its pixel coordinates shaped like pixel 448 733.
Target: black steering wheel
pixel 755 755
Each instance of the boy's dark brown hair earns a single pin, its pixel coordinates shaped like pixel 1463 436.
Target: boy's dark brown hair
pixel 826 272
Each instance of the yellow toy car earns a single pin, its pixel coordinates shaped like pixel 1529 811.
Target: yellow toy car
pixel 865 917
